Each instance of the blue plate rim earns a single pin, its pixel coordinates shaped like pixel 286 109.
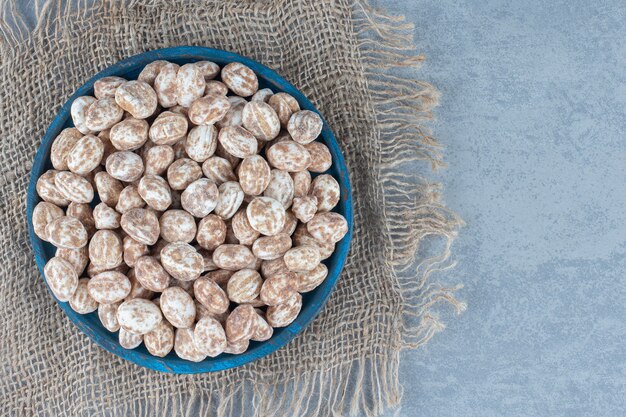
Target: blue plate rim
pixel 308 313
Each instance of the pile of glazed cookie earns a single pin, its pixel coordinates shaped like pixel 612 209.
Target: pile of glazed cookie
pixel 184 211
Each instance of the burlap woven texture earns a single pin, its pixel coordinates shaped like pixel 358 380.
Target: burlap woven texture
pixel 341 54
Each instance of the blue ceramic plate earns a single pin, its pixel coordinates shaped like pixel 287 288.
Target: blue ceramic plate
pixel 312 301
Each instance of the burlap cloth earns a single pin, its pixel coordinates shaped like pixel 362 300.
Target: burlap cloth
pixel 342 55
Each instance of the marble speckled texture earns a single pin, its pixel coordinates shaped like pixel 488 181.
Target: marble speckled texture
pixel 533 115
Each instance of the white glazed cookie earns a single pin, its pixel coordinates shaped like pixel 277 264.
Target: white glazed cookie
pixel 151 274
pixel 190 84
pixel 304 126
pixel 61 278
pixel 238 141
pixel 129 134
pixel 142 225
pixel 232 257
pixel 211 232
pixel 230 199
pixel 289 156
pixel 254 175
pixel 284 314
pixel 261 119
pixel 271 247
pixel 240 79
pixel 155 191
pixel 73 187
pixel 107 86
pixel 85 155
pixel 160 340
pixel 211 295
pixel 103 114
pixel 168 128
pixel 209 337
pixel 109 287
pixel 214 87
pixel 178 307
pixel 106 250
pixel 138 316
pixel 200 197
pixel 67 232
pixel 280 187
pixel 177 226
pixel 240 323
pixel 266 215
pixel 208 110
pixel 137 98
pixel 201 143
pixel 125 166
pixel 166 85
pixel 244 286
pixel 182 261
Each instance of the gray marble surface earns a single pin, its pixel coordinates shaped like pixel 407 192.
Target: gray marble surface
pixel 532 115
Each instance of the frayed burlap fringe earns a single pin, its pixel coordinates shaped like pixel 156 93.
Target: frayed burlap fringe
pixel 344 55
pixel 413 208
